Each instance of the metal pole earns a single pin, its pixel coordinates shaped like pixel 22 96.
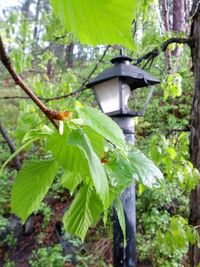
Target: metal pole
pixel 125 256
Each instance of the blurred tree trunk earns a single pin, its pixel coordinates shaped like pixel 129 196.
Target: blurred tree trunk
pixel 166 26
pixel 50 69
pixel 165 14
pixel 179 23
pixel 26 7
pixel 11 145
pixel 35 32
pixel 194 217
pixel 69 55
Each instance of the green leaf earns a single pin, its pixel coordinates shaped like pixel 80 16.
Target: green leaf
pixel 71 180
pixel 84 212
pixel 143 168
pixel 121 217
pixel 31 186
pixel 70 157
pixel 79 138
pixel 120 171
pixel 98 22
pixel 103 125
pixel 96 140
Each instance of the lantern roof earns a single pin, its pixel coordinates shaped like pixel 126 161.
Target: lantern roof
pixel 132 75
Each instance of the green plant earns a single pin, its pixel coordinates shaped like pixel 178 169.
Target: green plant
pixel 82 143
pixel 50 256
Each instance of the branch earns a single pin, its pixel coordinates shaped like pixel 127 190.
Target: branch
pixel 96 66
pixel 49 45
pixel 187 128
pixel 82 87
pixel 11 145
pixel 6 62
pixel 80 90
pixel 156 51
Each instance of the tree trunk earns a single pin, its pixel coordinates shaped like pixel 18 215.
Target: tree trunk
pixel 166 26
pixel 178 21
pixel 70 55
pixel 194 217
pixel 11 146
pixel 35 32
pixel 165 14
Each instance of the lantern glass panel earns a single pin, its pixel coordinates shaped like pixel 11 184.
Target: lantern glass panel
pixel 108 95
pixel 126 91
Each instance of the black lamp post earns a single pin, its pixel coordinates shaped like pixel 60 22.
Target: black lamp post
pixel 112 89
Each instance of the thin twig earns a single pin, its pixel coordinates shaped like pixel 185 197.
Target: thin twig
pixel 156 51
pixel 80 90
pixel 96 66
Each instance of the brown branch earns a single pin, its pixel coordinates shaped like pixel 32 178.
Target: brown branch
pixel 80 90
pixel 156 51
pixel 11 146
pixel 6 62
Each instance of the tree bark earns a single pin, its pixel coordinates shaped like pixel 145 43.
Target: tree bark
pixel 165 14
pixel 11 146
pixel 70 55
pixel 179 23
pixel 35 32
pixel 194 217
pixel 166 26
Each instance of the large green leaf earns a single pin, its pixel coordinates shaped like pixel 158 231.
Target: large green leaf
pixel 96 140
pixel 70 157
pixel 144 169
pixel 120 172
pixel 71 180
pixel 84 212
pixel 98 22
pixel 103 125
pixel 31 186
pixel 79 138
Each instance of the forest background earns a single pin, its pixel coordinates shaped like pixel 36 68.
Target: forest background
pixel 56 64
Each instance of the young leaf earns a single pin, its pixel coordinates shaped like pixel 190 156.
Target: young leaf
pixel 103 125
pixel 84 212
pixel 71 180
pixel 98 22
pixel 143 168
pixel 31 186
pixel 79 138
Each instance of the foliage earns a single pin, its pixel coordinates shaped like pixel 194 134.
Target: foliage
pixel 51 256
pixel 108 23
pixel 74 152
pixel 31 185
pixel 163 233
pixel 172 86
